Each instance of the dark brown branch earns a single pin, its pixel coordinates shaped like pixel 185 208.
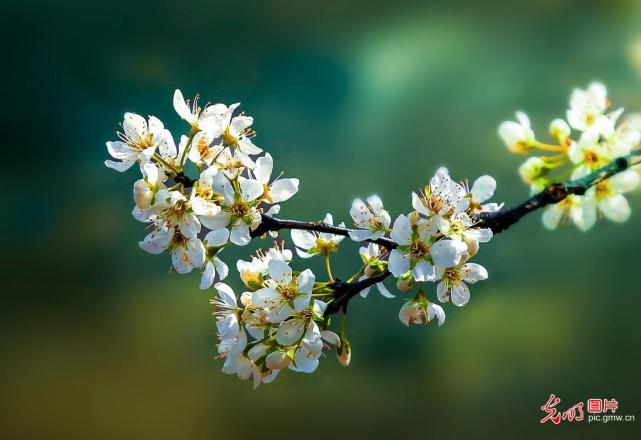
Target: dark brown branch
pixel 501 220
pixel 182 178
pixel 346 291
pixel 269 223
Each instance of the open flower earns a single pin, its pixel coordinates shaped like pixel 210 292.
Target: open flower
pixel 203 150
pixel 442 196
pixel 284 294
pixel 290 331
pixel 209 119
pixel 607 197
pixel 174 209
pixel 371 219
pixel 280 189
pixel 518 136
pixel 234 162
pixel 452 285
pixel 138 142
pixel 236 131
pixel 482 190
pixel 204 199
pixel 252 272
pixel 310 243
pixel 572 208
pixel 236 361
pixel 186 253
pixel 419 310
pixel 238 208
pixel 418 252
pixel 587 106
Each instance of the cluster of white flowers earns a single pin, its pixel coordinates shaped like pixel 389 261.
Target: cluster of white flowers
pixel 598 139
pixel 280 314
pixel 282 319
pixel 227 197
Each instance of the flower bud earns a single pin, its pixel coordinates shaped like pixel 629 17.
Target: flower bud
pixel 532 169
pixel 560 130
pixel 277 360
pixel 405 283
pixel 344 352
pixel 142 194
pixel 518 136
pixel 472 246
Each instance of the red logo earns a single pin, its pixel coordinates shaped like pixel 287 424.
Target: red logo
pixel 594 407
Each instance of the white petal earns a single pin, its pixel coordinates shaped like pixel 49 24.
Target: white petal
pixel 418 205
pixel 240 233
pixel 361 234
pixel 119 166
pixel 616 208
pixel 305 281
pixel 436 311
pixel 221 268
pixel 442 292
pixel 135 126
pixel 208 276
pixel 398 264
pixel 181 107
pixel 217 237
pixel 552 216
pixel 483 188
pixel 303 239
pixel 247 146
pixel 423 271
pixel 473 272
pixel 266 297
pixel 251 189
pixel 283 189
pixel 217 221
pixel 384 291
pixel 447 253
pixel 402 230
pixel 289 332
pixel 263 170
pixel 280 272
pixel 460 294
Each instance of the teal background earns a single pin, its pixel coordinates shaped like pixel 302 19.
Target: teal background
pixel 100 341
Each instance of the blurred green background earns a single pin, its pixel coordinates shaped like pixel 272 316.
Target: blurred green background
pixel 100 341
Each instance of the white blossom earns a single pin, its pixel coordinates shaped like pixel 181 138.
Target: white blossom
pixel 371 219
pixel 284 294
pixel 518 136
pixel 138 142
pixel 310 243
pixel 453 285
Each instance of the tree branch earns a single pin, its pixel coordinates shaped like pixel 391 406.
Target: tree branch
pixel 496 221
pixel 501 220
pixel 346 291
pixel 269 223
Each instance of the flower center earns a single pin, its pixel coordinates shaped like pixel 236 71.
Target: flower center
pixel 288 291
pixel 204 193
pixel 590 158
pixel 229 139
pixel 419 250
pixel 453 276
pixel 239 209
pixel 325 247
pixel 437 204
